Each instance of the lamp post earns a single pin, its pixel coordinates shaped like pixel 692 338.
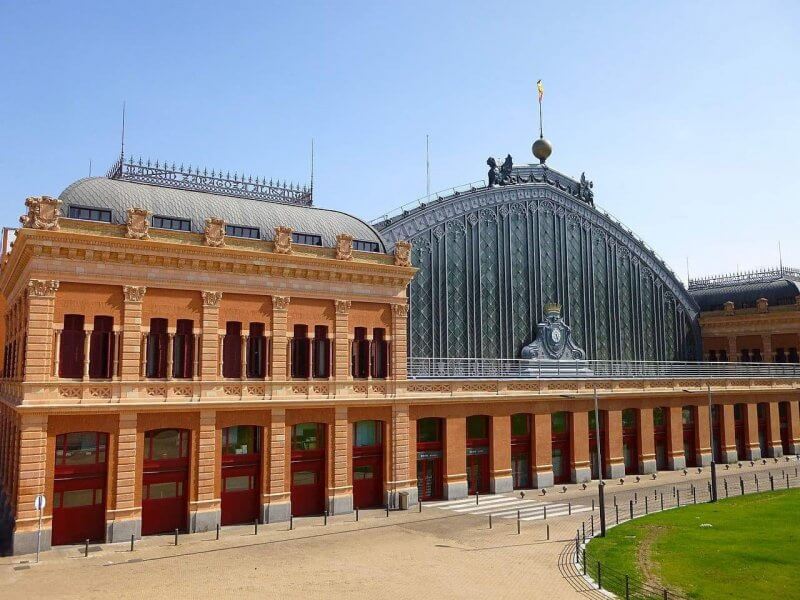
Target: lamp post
pixel 711 437
pixel 599 468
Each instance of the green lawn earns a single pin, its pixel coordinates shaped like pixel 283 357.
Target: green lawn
pixel 750 551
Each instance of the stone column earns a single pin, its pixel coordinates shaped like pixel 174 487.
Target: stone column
pixel 133 353
pixel 703 436
pixel 279 356
pixel 399 355
pixel 733 351
pixel 342 341
pixel 340 494
pixel 727 430
pixel 32 468
pixel 56 352
pixel 766 348
pixel 205 511
pixel 125 520
pixel 542 450
pixel 500 455
pixel 87 340
pixel 243 367
pixel 794 427
pixel 197 350
pixel 38 359
pixel 170 353
pixel 614 459
pixel 143 356
pixel 210 359
pixel 276 501
pixel 646 442
pixel 774 444
pixel 455 472
pixel 403 454
pixel 676 459
pixel 752 447
pixel 579 447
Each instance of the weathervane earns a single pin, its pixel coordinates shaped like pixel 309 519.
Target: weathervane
pixel 541 148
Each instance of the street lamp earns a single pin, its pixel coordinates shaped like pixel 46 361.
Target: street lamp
pixel 599 468
pixel 711 437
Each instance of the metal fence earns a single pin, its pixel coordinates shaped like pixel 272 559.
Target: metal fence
pixel 491 368
pixel 627 506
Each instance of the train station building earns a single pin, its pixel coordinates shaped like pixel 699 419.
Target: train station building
pixel 184 349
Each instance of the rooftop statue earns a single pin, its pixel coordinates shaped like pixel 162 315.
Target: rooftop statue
pixel 553 339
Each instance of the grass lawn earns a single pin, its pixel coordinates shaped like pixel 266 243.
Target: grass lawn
pixel 750 551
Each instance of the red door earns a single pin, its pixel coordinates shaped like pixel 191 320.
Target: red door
pixel 368 464
pixel 478 455
pixel 241 466
pixel 308 469
pixel 165 486
pixel 689 447
pixel 521 451
pixel 429 459
pixel 560 444
pixel 79 488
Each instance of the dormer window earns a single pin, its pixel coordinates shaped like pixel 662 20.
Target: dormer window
pixel 309 239
pixel 365 246
pixel 241 231
pixel 90 214
pixel 173 223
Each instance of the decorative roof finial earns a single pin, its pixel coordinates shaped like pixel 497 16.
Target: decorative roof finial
pixel 541 148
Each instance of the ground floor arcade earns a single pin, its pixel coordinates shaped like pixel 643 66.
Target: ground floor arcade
pixel 109 474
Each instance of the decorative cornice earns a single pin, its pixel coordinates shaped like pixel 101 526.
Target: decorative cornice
pixel 280 302
pixel 133 293
pixel 43 213
pixel 214 232
pixel 211 299
pixel 344 247
pixel 138 224
pixel 42 288
pixel 343 307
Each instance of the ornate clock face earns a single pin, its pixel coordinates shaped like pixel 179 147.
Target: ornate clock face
pixel 555 335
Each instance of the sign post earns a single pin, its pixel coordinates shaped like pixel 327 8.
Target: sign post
pixel 39 503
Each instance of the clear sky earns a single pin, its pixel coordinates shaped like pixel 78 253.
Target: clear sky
pixel 685 115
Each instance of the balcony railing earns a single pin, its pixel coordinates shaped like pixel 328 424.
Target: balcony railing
pixel 488 368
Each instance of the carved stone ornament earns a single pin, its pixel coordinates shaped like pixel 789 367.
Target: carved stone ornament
pixel 280 302
pixel 342 307
pixel 138 224
pixel 344 247
pixel 400 310
pixel 214 233
pixel 42 288
pixel 762 304
pixel 553 339
pixel 402 254
pixel 133 293
pixel 211 299
pixel 43 213
pixel 728 307
pixel 283 240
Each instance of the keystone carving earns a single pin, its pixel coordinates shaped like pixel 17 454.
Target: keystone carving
pixel 214 233
pixel 283 240
pixel 400 310
pixel 133 293
pixel 342 307
pixel 762 304
pixel 344 247
pixel 42 288
pixel 211 299
pixel 43 213
pixel 138 224
pixel 402 254
pixel 280 302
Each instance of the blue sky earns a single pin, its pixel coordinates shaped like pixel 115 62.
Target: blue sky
pixel 686 115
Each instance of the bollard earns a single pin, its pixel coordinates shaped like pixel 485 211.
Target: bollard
pixel 666 596
pixel 662 501
pixel 787 481
pixel 592 504
pixel 679 498
pixel 756 479
pixel 357 511
pixel 636 497
pixel 616 509
pixel 176 537
pixel 217 530
pixel 387 511
pixel 615 500
pixel 584 561
pixel 291 522
pixel 694 495
pixel 627 588
pixel 673 491
pixel 631 508
pixel 725 482
pixel 518 523
pixel 86 550
pixel 741 485
pixel 545 512
pixel 771 482
pixel 592 524
pixel 325 517
pixel 490 520
pixel 255 526
pixel 709 490
pixel 420 506
pixel 548 531
pixel 599 577
pixel 477 495
pixel 132 538
pixel 569 508
pixel 583 531
pixel 646 510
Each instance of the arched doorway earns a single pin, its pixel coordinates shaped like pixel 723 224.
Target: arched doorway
pixel 430 456
pixel 560 423
pixel 79 487
pixel 478 455
pixel 689 418
pixel 241 467
pixel 308 469
pixel 367 464
pixel 521 450
pixel 165 486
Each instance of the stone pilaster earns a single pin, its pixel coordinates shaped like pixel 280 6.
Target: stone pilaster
pixel 205 511
pixel 542 446
pixel 766 348
pixel 455 475
pixel 733 350
pixel 276 505
pixel 751 444
pixel 703 436
pixel 580 469
pixel 727 431
pixel 676 459
pixel 38 359
pixel 774 444
pixel 32 468
pixel 500 456
pixel 794 427
pixel 125 520
pixel 614 459
pixel 132 332
pixel 341 341
pixel 400 477
pixel 340 494
pixel 279 355
pixel 646 442
pixel 399 357
pixel 210 355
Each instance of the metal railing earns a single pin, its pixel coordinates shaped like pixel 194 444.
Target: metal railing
pixel 492 368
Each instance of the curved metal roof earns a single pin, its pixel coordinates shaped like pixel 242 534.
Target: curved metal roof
pixel 118 196
pixel 744 295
